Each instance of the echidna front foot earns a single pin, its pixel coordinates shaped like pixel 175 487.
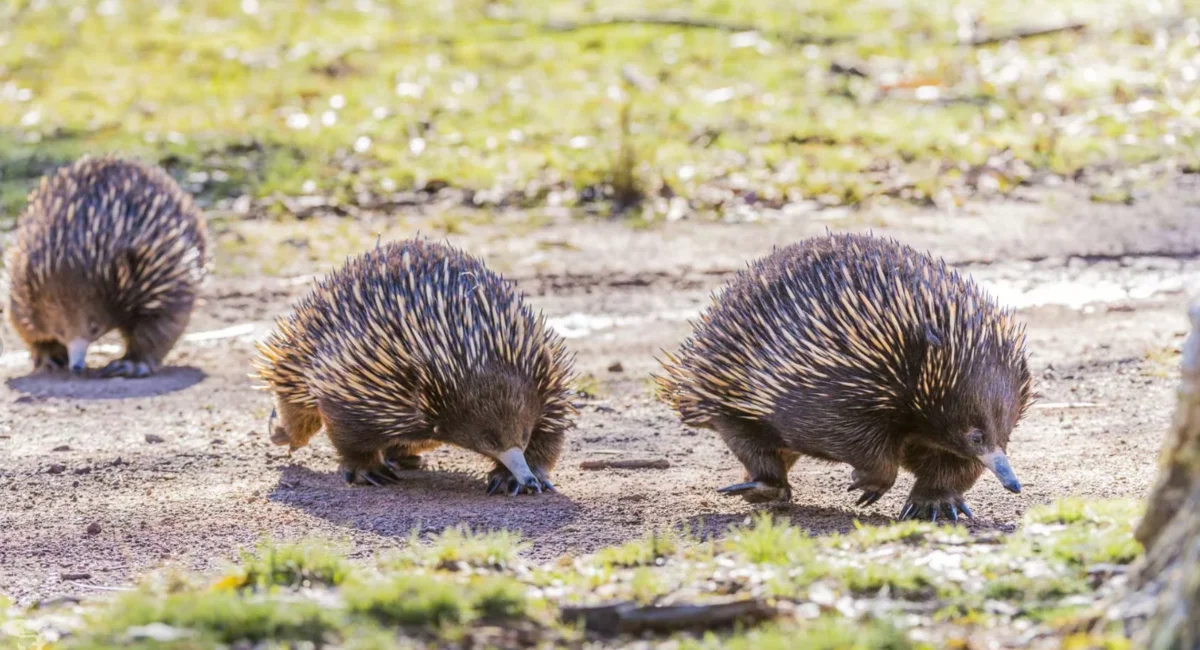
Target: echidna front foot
pixel 129 368
pixel 758 491
pixel 501 480
pixel 949 508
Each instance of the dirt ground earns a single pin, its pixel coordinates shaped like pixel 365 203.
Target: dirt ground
pixel 177 468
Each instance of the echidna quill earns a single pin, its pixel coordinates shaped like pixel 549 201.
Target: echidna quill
pixel 105 244
pixel 858 350
pixel 413 345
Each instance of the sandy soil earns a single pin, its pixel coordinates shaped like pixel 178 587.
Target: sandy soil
pixel 178 467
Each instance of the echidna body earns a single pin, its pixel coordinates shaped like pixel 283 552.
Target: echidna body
pixel 859 350
pixel 105 244
pixel 416 344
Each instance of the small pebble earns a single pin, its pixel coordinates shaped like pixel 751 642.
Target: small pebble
pixel 154 439
pixel 62 448
pixel 84 470
pixel 93 528
pixel 616 366
pixel 57 469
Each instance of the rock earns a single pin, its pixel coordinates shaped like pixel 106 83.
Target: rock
pixel 56 468
pixel 93 528
pixel 616 367
pixel 154 439
pixel 62 448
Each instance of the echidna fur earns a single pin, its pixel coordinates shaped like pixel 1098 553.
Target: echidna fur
pixel 856 349
pixel 103 244
pixel 412 344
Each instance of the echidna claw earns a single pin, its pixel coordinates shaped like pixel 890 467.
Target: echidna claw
pixel 127 368
pixel 935 510
pixel 757 492
pixel 348 476
pixel 868 498
pixel 495 484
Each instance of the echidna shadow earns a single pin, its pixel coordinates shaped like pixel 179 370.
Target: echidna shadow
pixel 61 385
pixel 427 499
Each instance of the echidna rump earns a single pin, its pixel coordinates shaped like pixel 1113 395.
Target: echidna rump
pixel 105 244
pixel 859 350
pixel 416 344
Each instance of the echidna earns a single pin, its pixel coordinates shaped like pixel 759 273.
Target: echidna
pixel 416 344
pixel 105 244
pixel 859 350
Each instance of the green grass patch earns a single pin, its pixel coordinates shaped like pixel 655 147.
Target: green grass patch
pixel 827 633
pixel 424 600
pixel 460 547
pixel 474 588
pixel 215 616
pixel 376 104
pixel 768 541
pixel 300 564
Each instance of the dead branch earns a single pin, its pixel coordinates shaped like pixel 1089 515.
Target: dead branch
pixel 694 23
pixel 1024 33
pixel 656 463
pixel 628 618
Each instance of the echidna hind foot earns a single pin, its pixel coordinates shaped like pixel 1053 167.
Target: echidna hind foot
pixel 758 492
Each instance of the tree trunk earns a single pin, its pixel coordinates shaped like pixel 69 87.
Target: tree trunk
pixel 1162 602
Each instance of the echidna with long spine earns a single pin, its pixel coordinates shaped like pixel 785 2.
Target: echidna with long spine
pixel 416 344
pixel 105 244
pixel 859 350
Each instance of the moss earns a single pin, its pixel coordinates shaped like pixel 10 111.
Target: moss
pixel 215 615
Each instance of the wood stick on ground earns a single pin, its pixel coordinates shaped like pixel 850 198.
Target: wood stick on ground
pixel 697 23
pixel 1026 32
pixel 654 463
pixel 628 618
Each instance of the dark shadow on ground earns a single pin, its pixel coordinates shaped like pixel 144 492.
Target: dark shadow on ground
pixel 63 385
pixel 425 500
pixel 816 520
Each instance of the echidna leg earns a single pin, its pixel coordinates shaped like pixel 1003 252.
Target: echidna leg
pixel 297 424
pixel 362 457
pixel 407 456
pixel 50 355
pixel 766 463
pixel 942 479
pixel 146 343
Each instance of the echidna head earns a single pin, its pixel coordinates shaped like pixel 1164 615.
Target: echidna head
pixel 74 315
pixel 495 416
pixel 978 418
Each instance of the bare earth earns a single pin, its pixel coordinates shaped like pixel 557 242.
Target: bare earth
pixel 1101 288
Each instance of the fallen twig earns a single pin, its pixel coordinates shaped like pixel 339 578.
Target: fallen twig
pixel 656 463
pixel 1026 32
pixel 683 21
pixel 629 618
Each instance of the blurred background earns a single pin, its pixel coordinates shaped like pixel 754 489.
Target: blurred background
pixel 649 112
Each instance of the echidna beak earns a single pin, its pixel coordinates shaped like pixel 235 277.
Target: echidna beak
pixel 514 460
pixel 77 355
pixel 996 461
